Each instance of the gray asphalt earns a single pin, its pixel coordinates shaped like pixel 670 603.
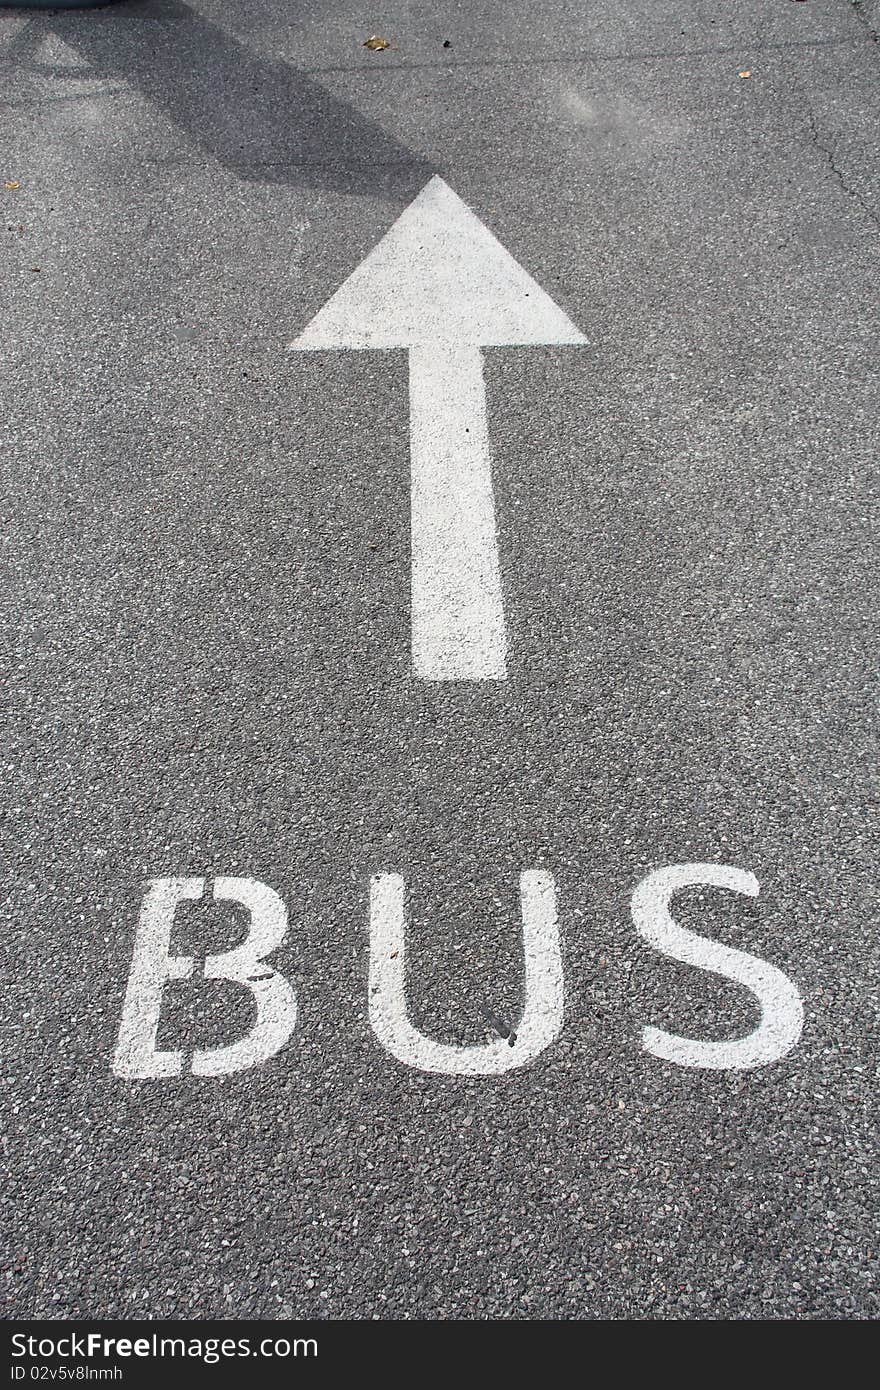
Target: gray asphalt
pixel 206 626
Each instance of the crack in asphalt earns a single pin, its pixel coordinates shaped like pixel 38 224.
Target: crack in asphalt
pixel 828 152
pixel 864 12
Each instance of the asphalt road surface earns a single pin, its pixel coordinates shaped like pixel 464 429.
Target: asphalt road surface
pixel 210 665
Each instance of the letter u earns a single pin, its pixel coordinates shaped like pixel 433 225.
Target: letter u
pixel 543 1010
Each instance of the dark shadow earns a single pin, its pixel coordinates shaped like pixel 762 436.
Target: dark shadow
pixel 261 119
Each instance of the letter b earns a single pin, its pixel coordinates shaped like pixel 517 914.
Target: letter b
pixel 136 1057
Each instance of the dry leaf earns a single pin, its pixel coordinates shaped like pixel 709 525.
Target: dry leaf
pixel 747 73
pixel 376 42
pixel 12 184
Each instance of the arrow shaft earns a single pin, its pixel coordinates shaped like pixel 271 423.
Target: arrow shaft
pixel 458 630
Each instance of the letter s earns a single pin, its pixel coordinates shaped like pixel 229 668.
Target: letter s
pixel 779 1001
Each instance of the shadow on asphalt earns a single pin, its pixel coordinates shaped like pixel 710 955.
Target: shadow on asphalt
pixel 259 118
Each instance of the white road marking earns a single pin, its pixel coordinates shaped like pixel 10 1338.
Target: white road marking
pixel 442 286
pixel 136 1057
pixel 246 963
pixel 458 630
pixel 780 1003
pixel 151 966
pixel 544 989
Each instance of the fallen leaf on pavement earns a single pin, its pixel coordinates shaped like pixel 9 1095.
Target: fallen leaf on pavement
pixel 376 42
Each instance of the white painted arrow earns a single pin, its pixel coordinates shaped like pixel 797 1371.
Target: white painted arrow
pixel 442 286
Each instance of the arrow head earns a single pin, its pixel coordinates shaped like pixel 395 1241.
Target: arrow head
pixel 438 275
